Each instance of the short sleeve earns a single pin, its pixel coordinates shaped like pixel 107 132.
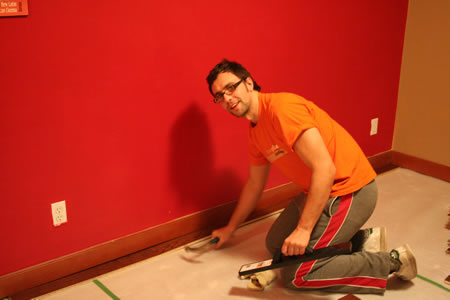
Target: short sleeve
pixel 292 118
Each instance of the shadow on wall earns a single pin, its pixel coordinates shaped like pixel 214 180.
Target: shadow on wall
pixel 192 171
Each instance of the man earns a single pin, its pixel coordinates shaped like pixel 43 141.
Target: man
pixel 340 192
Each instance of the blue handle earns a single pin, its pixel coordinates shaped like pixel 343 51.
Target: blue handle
pixel 214 240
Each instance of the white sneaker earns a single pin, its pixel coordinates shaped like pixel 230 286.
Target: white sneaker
pixel 375 239
pixel 405 257
pixel 259 281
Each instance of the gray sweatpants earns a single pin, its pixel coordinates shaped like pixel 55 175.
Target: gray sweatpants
pixel 342 218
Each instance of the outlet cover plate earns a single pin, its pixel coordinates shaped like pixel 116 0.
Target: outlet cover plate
pixel 374 126
pixel 59 213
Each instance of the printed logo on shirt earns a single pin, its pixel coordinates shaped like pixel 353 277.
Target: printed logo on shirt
pixel 274 153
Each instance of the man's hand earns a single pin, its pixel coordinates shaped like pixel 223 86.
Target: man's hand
pixel 250 195
pixel 224 234
pixel 296 242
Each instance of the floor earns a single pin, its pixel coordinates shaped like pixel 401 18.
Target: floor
pixel 412 206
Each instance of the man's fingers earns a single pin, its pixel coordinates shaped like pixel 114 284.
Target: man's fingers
pixel 289 249
pixel 300 251
pixel 218 244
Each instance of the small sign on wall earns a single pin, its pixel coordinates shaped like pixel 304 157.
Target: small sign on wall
pixel 10 8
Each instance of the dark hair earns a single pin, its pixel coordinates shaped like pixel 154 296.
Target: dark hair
pixel 229 66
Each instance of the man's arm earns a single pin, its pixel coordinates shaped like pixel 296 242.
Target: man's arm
pixel 312 150
pixel 248 199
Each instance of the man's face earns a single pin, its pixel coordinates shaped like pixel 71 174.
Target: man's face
pixel 236 96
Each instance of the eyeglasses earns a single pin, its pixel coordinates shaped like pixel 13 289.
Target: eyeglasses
pixel 228 90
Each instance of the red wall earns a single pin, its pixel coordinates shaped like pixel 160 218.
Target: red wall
pixel 105 105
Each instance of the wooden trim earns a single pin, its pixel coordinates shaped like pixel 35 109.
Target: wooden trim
pixel 164 237
pixel 388 160
pixel 421 165
pixel 382 162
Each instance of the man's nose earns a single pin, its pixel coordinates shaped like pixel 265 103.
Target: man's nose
pixel 227 98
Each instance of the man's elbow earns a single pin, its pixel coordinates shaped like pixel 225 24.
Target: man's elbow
pixel 328 170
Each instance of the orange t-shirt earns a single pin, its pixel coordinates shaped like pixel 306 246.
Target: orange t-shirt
pixel 282 119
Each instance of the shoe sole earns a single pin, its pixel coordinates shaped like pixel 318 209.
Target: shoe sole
pixel 412 262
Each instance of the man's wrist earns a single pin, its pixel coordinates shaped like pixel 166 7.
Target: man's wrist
pixel 304 229
pixel 232 227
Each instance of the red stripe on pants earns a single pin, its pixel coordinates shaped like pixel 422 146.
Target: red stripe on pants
pixel 367 282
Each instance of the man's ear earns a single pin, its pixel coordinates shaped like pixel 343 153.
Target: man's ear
pixel 249 84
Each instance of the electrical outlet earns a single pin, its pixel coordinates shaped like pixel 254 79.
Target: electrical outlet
pixel 374 126
pixel 59 213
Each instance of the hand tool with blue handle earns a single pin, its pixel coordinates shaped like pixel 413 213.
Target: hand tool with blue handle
pixel 202 247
